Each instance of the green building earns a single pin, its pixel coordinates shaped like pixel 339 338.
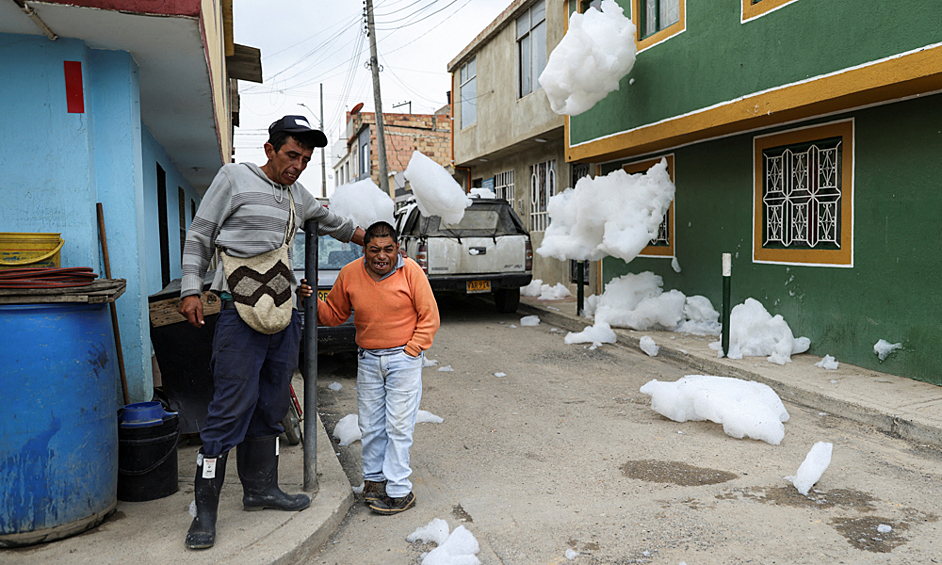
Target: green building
pixel 805 138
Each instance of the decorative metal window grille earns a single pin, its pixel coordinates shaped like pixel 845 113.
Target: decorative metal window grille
pixel 663 232
pixel 542 188
pixel 579 170
pixel 504 185
pixel 801 195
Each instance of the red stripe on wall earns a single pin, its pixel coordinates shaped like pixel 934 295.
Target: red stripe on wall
pixel 74 93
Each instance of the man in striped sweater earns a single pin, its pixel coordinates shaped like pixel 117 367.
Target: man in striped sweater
pixel 245 212
pixel 396 320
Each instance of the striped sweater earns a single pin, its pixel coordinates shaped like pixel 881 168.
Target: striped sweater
pixel 245 214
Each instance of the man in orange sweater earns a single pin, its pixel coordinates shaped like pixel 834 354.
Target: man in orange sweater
pixel 396 320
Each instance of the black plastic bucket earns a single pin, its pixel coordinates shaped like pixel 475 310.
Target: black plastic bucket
pixel 147 460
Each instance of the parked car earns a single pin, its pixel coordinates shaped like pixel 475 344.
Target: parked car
pixel 332 255
pixel 488 251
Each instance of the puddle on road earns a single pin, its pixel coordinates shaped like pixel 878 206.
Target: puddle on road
pixel 789 496
pixel 861 531
pixel 674 472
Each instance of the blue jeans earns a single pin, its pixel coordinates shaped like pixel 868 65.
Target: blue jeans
pixel 389 388
pixel 252 374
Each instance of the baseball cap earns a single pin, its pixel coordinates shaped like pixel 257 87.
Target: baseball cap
pixel 300 125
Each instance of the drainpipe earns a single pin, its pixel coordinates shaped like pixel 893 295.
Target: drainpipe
pixel 36 19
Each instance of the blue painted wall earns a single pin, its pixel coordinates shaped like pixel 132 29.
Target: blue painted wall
pixel 55 166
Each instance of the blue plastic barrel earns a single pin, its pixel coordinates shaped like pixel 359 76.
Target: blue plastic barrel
pixel 58 424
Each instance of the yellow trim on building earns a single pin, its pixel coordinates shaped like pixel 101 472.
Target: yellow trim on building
pixel 753 9
pixel 642 167
pixel 844 256
pixel 890 79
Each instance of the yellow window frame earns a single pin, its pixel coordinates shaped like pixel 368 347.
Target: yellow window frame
pixel 751 11
pixel 843 257
pixel 661 35
pixel 642 167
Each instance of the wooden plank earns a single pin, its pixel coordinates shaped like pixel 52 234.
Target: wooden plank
pixel 99 292
pixel 164 312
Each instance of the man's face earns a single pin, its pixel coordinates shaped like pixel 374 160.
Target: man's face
pixel 286 164
pixel 381 254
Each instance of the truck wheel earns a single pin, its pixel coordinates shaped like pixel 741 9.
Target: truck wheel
pixel 507 299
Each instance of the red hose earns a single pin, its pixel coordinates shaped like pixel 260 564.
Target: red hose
pixel 51 277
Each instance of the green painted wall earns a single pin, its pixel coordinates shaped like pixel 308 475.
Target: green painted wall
pixel 893 290
pixel 718 58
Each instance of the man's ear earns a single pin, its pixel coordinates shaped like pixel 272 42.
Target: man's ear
pixel 269 150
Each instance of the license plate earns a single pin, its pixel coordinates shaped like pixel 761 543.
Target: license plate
pixel 474 287
pixel 322 294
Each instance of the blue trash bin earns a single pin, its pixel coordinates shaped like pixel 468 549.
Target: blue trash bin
pixel 58 425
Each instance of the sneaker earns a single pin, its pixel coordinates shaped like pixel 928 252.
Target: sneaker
pixel 373 491
pixel 388 506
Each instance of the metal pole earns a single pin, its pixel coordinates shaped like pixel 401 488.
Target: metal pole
pixel 727 275
pixel 323 166
pixel 309 370
pixel 377 101
pixel 580 291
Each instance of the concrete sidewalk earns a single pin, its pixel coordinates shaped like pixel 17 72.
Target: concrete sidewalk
pixel 144 533
pixel 897 405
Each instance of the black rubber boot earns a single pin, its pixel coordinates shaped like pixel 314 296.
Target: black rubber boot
pixel 258 471
pixel 202 534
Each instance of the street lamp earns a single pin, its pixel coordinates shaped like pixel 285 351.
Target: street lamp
pixel 321 121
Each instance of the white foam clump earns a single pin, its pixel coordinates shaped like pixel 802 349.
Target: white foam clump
pixel 596 335
pixel 754 332
pixel 744 408
pixel 883 348
pixel 500 374
pixel 649 347
pixel 571 554
pixel 457 548
pixel 445 369
pixel 590 305
pixel 335 386
pixel 597 51
pixel 884 528
pixel 827 362
pixel 426 362
pixel 358 489
pixel 637 301
pixel 617 214
pixel 363 202
pixel 436 192
pixel 536 288
pixel 425 417
pixel 530 321
pixel 812 467
pixel 347 429
pixel 482 193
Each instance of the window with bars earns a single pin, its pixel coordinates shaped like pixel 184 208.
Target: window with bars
pixel 589 4
pixel 504 185
pixel 663 243
pixel 468 90
pixel 755 8
pixel 803 195
pixel 531 47
pixel 542 188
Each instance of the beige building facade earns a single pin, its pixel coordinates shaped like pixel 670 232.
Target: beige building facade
pixel 505 135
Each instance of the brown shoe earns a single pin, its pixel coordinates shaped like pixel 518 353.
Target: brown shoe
pixel 388 506
pixel 373 491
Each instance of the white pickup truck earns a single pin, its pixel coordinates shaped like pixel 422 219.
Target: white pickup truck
pixel 488 251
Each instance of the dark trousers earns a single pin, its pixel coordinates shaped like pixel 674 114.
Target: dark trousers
pixel 252 374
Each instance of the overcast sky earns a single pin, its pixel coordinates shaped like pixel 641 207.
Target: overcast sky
pixel 306 43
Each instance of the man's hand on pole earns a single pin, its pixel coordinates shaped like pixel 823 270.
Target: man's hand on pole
pixel 192 309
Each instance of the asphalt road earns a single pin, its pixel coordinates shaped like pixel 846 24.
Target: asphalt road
pixel 564 453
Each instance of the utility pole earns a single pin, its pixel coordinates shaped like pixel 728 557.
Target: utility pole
pixel 323 165
pixel 377 100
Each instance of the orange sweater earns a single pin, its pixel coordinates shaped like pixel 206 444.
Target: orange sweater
pixel 398 310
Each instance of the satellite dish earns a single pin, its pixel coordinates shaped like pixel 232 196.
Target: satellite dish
pixel 356 109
